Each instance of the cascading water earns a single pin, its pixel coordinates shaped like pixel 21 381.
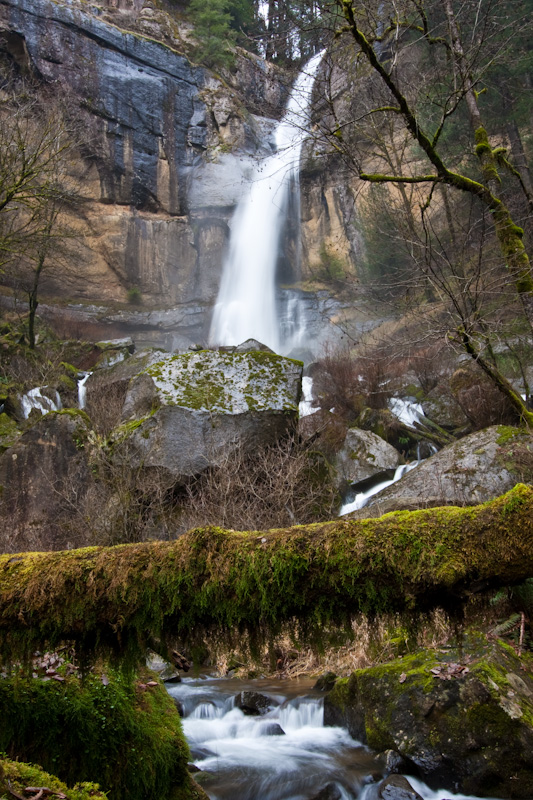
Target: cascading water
pixel 285 754
pixel 247 306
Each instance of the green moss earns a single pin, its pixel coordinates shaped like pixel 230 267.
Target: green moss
pixel 108 728
pixel 21 775
pixel 9 432
pixel 224 382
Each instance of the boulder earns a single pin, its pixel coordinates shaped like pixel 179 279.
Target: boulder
pixel 254 703
pixel 365 455
pixel 43 477
pixel 461 717
pixel 440 405
pixel 184 413
pixel 474 469
pixel 396 787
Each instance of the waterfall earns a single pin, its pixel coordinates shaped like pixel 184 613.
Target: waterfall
pixel 246 305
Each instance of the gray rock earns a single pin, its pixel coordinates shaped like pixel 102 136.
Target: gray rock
pixel 44 476
pixel 396 787
pixel 441 406
pixel 254 703
pixel 272 729
pixel 186 412
pixel 250 345
pixel 474 469
pixel 365 455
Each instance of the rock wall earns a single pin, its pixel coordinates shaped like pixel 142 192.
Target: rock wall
pixel 167 147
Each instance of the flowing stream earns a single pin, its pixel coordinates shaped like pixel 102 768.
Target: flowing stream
pixel 247 303
pixel 284 754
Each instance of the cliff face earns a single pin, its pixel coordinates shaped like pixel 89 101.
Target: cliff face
pixel 167 148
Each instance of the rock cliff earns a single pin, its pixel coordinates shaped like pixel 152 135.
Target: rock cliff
pixel 167 147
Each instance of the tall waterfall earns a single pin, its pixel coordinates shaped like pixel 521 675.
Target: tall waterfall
pixel 246 304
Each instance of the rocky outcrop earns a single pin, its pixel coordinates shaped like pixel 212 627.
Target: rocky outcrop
pixel 164 144
pixel 472 470
pixel 43 477
pixel 185 413
pixel 462 718
pixel 167 149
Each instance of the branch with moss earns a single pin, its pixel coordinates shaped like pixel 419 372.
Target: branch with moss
pixel 120 599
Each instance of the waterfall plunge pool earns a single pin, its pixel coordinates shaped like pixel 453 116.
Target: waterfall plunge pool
pixel 285 754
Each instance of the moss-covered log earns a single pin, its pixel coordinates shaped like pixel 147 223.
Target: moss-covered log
pixel 210 579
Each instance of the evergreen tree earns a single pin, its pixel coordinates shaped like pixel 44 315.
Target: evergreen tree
pixel 212 26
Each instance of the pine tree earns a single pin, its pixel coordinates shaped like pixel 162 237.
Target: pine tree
pixel 212 23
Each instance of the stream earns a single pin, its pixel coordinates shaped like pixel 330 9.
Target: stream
pixel 285 753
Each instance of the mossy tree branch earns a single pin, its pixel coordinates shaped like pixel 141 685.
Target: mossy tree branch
pixel 487 190
pixel 210 580
pixel 509 235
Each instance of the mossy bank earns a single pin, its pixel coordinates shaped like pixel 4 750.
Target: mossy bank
pixel 461 717
pixel 122 733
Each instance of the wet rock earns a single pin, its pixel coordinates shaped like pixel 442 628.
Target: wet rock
pixel 329 792
pixel 273 729
pixel 179 706
pixel 396 787
pixel 254 703
pixel 186 412
pixel 454 716
pixel 365 455
pixel 474 469
pixel 325 682
pixel 394 762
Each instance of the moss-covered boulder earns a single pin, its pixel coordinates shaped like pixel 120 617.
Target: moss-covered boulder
pixel 472 470
pixel 462 717
pixel 185 412
pixel 123 733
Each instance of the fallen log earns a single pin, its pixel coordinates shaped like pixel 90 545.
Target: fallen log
pixel 212 580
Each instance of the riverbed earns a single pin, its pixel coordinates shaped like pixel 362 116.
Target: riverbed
pixel 285 753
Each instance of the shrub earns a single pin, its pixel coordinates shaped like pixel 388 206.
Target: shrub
pixel 134 296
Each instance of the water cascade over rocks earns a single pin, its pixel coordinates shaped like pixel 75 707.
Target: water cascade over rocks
pixel 247 305
pixel 281 752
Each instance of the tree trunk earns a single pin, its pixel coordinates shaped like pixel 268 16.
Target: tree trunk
pixel 215 583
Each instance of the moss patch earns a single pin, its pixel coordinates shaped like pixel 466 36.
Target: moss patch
pixel 228 383
pixel 15 776
pixel 122 733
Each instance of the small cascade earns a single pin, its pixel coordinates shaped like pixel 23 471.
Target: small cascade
pixel 362 498
pixel 284 754
pixel 41 402
pixel 247 304
pixel 82 389
pixel 306 406
pixel 407 412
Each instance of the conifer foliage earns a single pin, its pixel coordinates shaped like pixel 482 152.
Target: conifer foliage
pixel 212 26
